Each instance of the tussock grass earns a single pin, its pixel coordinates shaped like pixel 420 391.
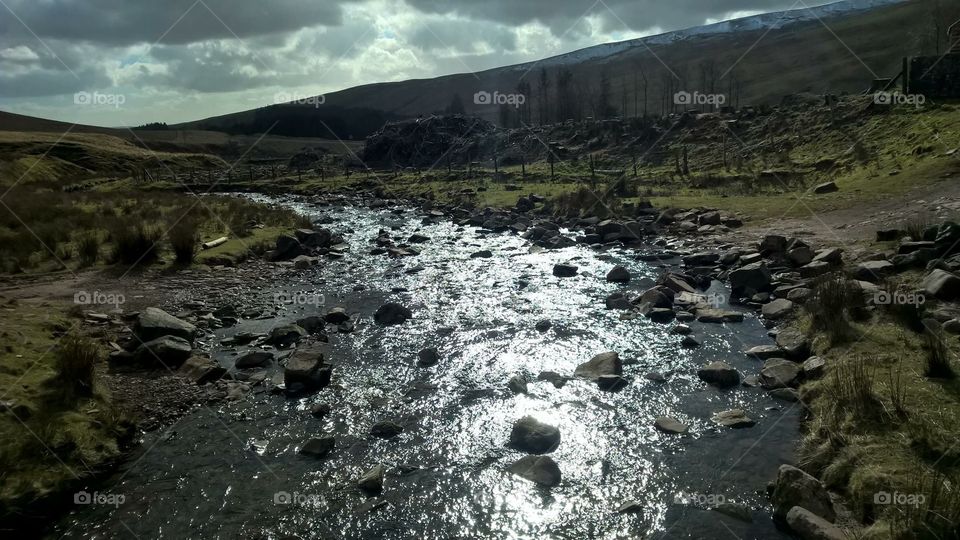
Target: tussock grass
pixel 88 248
pixel 832 300
pixel 184 239
pixel 137 245
pixel 938 364
pixel 75 366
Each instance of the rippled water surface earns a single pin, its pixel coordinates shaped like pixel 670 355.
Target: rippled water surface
pixel 217 472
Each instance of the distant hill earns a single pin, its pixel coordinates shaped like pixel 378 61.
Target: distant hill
pixel 835 48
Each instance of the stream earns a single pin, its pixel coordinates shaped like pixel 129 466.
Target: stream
pixel 232 470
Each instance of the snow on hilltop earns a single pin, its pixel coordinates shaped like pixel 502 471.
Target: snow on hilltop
pixel 766 21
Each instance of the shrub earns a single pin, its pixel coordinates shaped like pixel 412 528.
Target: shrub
pixel 938 356
pixel 184 239
pixel 88 248
pixel 916 227
pixel 136 245
pixel 828 306
pixel 851 386
pixel 75 363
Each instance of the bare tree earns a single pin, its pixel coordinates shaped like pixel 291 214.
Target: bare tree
pixel 544 91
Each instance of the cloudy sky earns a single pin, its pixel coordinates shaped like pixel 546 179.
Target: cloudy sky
pixel 137 61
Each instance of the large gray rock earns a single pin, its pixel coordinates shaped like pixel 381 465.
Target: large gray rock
pixel 794 344
pixel 318 447
pixel 314 238
pixel 719 374
pixel 778 309
pixel 607 363
pixel 372 480
pixel 618 274
pixel 168 351
pixel 287 247
pixel 797 488
pixel 564 270
pixel 534 437
pixel 942 284
pixel 153 323
pixel 734 418
pixel 517 384
pixel 542 470
pixel 306 368
pixel 428 357
pixel 809 526
pixel 286 335
pixel 254 359
pixel 201 370
pixel 779 373
pixel 773 243
pixel 831 256
pixel 392 313
pixel 750 279
pixel 874 271
pixel 668 424
pixel 764 352
pixel 814 367
pixel 659 296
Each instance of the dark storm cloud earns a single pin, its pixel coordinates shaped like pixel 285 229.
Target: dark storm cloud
pixel 127 22
pixel 562 16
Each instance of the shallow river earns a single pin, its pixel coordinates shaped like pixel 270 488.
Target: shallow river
pixel 232 471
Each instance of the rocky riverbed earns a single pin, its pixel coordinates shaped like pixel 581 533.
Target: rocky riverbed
pixel 519 399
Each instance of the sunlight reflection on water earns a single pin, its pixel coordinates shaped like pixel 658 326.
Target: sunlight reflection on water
pixel 457 415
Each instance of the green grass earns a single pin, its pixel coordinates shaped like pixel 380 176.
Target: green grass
pixel 47 441
pixel 880 425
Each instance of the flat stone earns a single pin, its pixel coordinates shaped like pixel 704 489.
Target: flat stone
pixel 719 374
pixel 734 418
pixel 318 447
pixel 541 470
pixel 669 424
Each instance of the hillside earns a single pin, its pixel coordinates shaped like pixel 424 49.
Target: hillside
pixel 836 48
pixel 225 145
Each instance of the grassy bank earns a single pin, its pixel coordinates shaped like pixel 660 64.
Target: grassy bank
pixel 57 427
pixel 883 429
